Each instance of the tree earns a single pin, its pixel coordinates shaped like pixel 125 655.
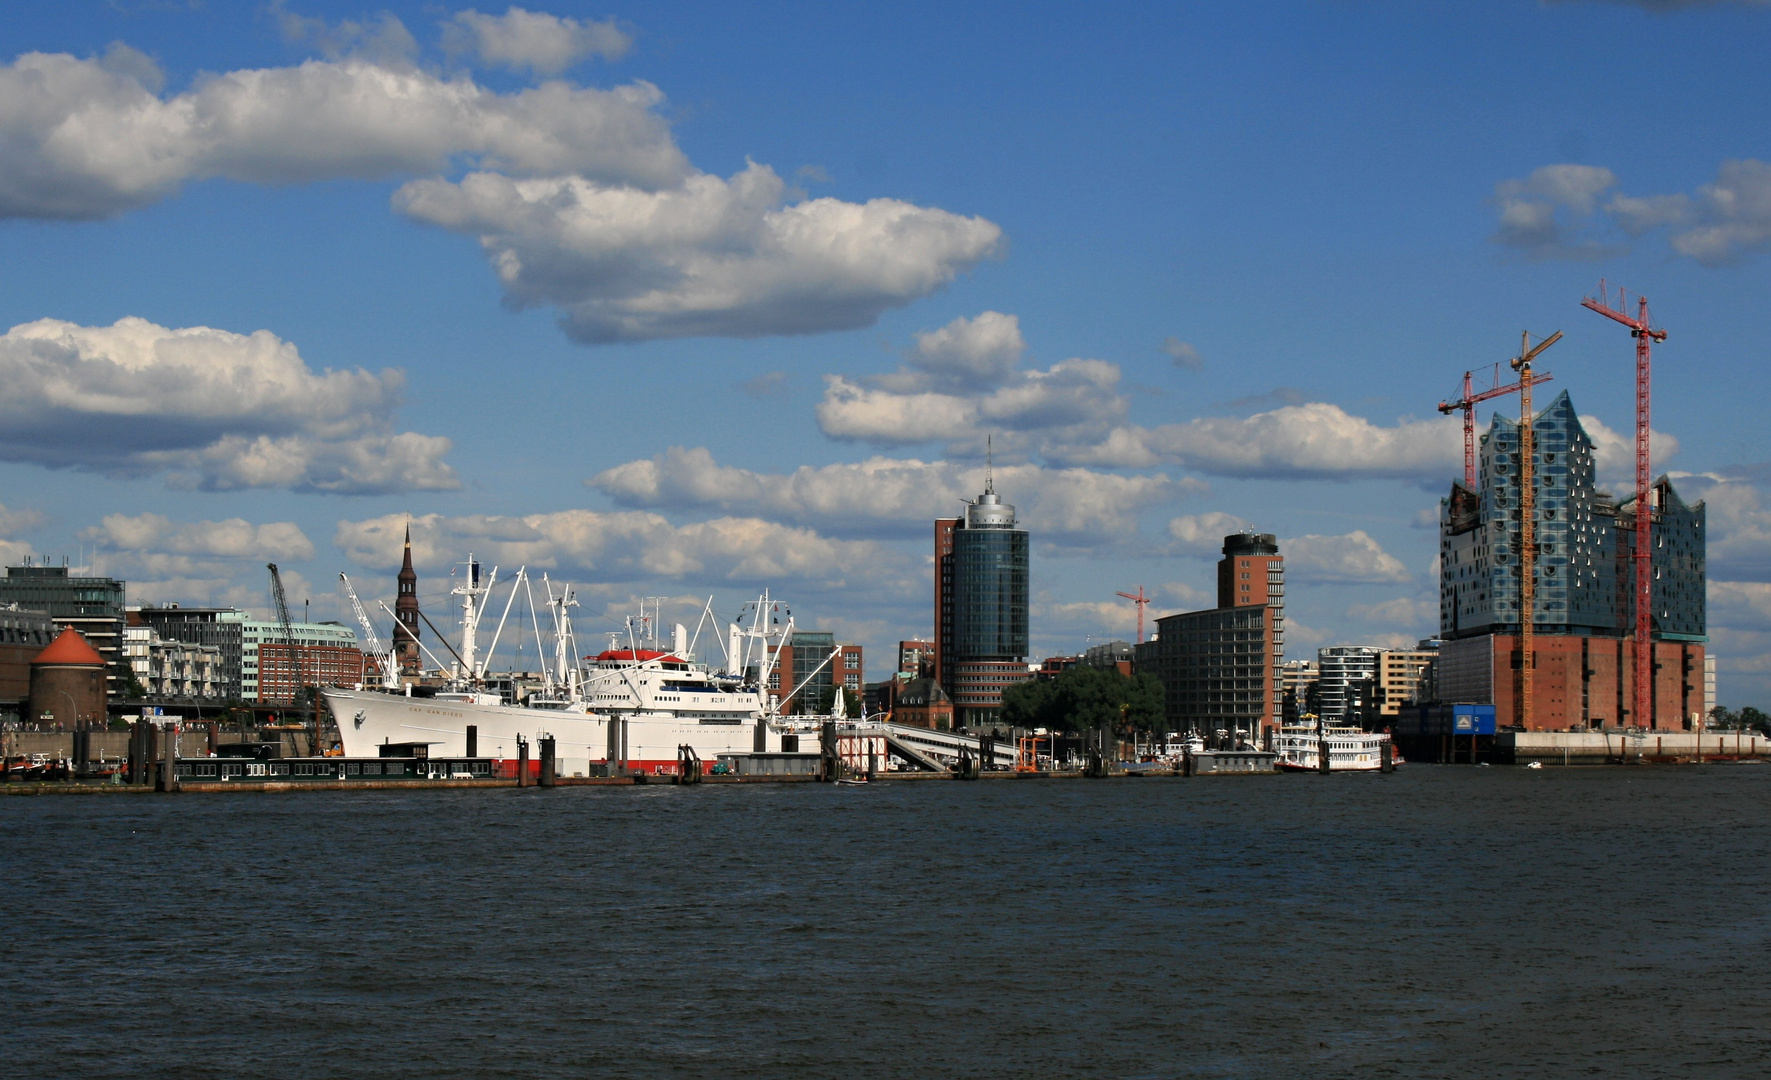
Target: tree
pixel 1084 698
pixel 1746 719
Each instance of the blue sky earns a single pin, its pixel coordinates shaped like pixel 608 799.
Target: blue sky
pixel 691 299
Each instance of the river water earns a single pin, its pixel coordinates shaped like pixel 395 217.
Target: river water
pixel 1443 921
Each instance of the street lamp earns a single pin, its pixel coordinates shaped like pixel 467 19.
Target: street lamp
pixel 72 704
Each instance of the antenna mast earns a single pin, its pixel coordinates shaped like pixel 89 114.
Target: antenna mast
pixel 1645 336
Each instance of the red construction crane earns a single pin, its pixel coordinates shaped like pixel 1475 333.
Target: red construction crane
pixel 1645 336
pixel 1143 602
pixel 1468 404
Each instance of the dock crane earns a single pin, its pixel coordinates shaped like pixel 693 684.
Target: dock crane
pixel 1527 520
pixel 1468 404
pixel 300 698
pixel 1645 335
pixel 1142 602
pixel 383 657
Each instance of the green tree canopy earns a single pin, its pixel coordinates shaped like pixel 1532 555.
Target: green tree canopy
pixel 1084 698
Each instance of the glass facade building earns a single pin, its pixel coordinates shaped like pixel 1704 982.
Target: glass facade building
pixel 990 593
pixel 981 599
pixel 1584 542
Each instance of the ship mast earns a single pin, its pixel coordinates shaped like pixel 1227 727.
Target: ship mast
pixel 470 590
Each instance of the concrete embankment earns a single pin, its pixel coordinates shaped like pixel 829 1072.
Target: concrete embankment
pixel 190 787
pixel 1614 748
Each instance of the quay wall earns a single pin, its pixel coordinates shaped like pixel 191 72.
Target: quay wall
pixel 113 745
pixel 1602 747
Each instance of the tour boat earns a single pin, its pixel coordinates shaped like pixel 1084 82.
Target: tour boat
pixel 1350 749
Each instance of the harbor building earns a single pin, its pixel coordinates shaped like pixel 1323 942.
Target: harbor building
pixel 1111 654
pixel 1298 680
pixel 1400 676
pixel 916 659
pixel 801 664
pixel 324 654
pixel 91 605
pixel 1347 681
pixel 981 598
pixel 252 662
pixel 1221 669
pixel 23 634
pixel 172 670
pixel 223 629
pixel 1583 615
pixel 68 683
pixel 923 703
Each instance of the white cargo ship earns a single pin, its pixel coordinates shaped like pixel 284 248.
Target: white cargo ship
pixel 631 708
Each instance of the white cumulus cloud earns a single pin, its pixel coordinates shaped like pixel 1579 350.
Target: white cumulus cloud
pixel 1313 440
pixel 981 351
pixel 1203 534
pixel 212 408
pixel 84 139
pixel 1350 559
pixel 964 382
pixel 233 538
pixel 1183 354
pixel 542 43
pixel 1556 213
pixel 1422 615
pixel 200 562
pixel 705 257
pixel 630 546
pixel 883 496
pixel 1546 214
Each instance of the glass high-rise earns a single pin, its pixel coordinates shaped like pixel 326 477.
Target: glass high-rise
pixel 981 598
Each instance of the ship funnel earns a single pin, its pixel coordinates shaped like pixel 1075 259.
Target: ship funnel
pixel 680 642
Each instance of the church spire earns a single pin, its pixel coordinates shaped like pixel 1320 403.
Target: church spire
pixel 406 647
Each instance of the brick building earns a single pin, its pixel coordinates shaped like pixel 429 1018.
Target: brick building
pixel 1221 669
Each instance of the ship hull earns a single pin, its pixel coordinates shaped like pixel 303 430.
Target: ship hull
pixel 585 744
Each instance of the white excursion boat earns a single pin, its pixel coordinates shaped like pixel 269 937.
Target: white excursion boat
pixel 630 708
pixel 1350 749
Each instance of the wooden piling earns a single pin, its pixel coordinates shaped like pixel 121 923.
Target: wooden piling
pixel 547 762
pixel 522 762
pixel 473 740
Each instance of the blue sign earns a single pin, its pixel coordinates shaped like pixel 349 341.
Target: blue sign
pixel 1472 719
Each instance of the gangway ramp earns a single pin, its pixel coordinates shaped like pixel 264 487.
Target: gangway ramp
pixel 938 750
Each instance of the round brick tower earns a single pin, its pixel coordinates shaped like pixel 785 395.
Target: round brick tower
pixel 68 683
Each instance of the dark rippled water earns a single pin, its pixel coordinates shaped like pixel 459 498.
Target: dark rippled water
pixel 1439 922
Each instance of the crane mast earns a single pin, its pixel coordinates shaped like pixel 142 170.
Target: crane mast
pixel 1527 521
pixel 1467 402
pixel 1142 602
pixel 288 632
pixel 384 658
pixel 1645 335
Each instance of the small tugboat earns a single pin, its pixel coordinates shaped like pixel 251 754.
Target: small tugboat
pixel 1350 749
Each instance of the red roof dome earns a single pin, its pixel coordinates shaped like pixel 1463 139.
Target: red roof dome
pixel 69 648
